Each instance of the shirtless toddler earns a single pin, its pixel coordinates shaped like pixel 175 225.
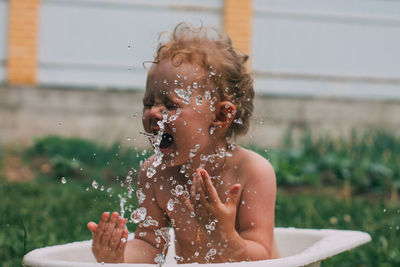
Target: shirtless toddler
pixel 218 197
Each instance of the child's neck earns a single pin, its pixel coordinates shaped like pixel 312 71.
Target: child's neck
pixel 214 162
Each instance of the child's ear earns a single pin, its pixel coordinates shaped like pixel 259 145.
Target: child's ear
pixel 225 113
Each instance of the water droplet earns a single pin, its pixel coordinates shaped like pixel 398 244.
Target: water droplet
pixel 183 94
pixel 238 121
pixel 159 259
pixel 210 253
pixel 151 171
pixel 179 190
pixel 140 195
pixel 95 185
pixel 207 95
pixel 212 129
pixel 170 204
pixel 199 100
pixel 139 214
pixel 150 222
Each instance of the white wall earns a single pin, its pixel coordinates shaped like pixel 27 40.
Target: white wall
pixel 103 43
pixel 340 48
pixel 3 38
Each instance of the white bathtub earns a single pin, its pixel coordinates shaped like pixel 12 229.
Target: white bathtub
pixel 298 247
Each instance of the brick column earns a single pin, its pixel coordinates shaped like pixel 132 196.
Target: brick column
pixel 238 15
pixel 22 42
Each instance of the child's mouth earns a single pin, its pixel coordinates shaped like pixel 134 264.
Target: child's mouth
pixel 166 142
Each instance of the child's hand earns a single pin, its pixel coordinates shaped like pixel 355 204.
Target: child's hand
pixel 207 206
pixel 109 242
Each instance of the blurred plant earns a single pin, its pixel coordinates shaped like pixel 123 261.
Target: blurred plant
pixel 81 159
pixel 366 162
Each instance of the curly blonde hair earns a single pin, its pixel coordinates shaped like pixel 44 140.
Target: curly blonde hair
pixel 215 55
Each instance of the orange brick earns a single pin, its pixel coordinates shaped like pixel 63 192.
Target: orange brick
pixel 22 52
pixel 238 16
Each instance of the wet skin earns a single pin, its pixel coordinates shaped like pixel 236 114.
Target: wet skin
pixel 238 190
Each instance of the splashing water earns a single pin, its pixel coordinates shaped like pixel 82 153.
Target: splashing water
pixel 149 222
pixel 199 100
pixel 183 94
pixel 139 215
pixel 95 185
pixel 140 196
pixel 159 259
pixel 151 171
pixel 122 202
pixel 171 204
pixel 210 253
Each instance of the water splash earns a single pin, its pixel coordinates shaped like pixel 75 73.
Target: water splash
pixel 140 196
pixel 150 222
pixel 212 252
pixel 95 185
pixel 139 214
pixel 184 94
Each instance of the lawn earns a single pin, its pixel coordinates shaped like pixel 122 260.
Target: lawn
pixel 43 213
pixel 347 184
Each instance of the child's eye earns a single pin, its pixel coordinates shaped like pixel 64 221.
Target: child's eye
pixel 170 106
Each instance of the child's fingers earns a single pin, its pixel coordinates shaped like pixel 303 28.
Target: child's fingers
pixel 123 241
pixel 234 195
pixel 187 203
pixel 200 190
pixel 116 237
pixel 212 192
pixel 92 226
pixel 101 226
pixel 109 229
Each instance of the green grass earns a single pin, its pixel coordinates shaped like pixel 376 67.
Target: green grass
pixel 312 171
pixel 381 220
pixel 44 213
pixel 55 213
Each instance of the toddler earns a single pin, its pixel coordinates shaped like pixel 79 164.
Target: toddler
pixel 218 197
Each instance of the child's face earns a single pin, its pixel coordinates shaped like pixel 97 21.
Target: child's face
pixel 180 93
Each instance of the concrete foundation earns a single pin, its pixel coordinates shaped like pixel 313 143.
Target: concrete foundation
pixel 114 115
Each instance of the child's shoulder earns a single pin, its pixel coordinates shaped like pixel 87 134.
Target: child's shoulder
pixel 253 165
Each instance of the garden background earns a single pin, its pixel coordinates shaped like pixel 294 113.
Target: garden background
pixel 326 112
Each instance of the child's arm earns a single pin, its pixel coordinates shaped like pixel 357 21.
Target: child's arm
pixel 244 233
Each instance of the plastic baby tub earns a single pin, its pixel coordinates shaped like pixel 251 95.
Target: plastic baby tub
pixel 298 247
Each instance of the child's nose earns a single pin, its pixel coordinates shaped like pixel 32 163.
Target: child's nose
pixel 157 111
